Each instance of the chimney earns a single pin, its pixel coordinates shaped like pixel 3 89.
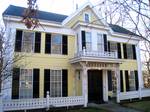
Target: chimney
pixel 76 6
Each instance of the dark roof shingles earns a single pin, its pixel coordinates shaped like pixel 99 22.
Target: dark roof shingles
pixel 18 11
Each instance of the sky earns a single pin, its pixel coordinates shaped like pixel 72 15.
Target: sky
pixel 58 6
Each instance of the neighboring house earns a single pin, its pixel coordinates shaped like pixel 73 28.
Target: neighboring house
pixel 75 55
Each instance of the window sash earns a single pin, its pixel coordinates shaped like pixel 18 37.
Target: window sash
pixel 26 84
pixel 56 44
pixel 129 51
pixel 100 42
pixel 88 41
pixel 28 40
pixel 56 83
pixel 132 81
pixel 86 17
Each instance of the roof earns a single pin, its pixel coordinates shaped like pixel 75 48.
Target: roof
pixel 49 16
pixel 119 29
pixel 18 11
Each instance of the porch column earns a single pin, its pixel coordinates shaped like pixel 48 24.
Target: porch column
pixel 140 76
pixel 118 82
pixel 84 86
pixel 105 85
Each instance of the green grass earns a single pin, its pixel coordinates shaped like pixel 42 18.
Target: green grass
pixel 141 105
pixel 87 110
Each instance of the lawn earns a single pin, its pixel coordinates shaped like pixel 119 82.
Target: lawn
pixel 88 110
pixel 140 105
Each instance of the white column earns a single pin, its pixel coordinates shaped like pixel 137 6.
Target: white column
pixel 105 86
pixel 84 86
pixel 118 83
pixel 140 76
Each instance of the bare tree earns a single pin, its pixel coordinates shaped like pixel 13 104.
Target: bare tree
pixel 8 58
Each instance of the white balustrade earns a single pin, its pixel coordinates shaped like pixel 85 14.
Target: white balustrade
pixel 96 54
pixel 39 103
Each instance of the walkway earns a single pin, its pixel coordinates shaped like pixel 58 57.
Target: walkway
pixel 112 107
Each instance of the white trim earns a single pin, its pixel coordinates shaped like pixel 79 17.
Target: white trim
pixel 88 4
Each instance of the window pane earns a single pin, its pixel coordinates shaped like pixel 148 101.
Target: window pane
pixel 88 41
pixel 27 44
pixel 113 46
pixel 100 42
pixel 86 17
pixel 55 83
pixel 25 83
pixel 56 44
pixel 132 80
pixel 129 51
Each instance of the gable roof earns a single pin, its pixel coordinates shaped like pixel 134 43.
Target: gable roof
pixel 49 16
pixel 54 17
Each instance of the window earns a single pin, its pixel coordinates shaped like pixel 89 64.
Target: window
pixel 88 41
pixel 86 17
pixel 28 42
pixel 55 83
pixel 100 42
pixel 132 81
pixel 129 51
pixel 113 46
pixel 26 84
pixel 56 42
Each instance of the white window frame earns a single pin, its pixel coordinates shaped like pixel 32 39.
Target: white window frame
pixel 20 82
pixel 88 42
pixel 60 81
pixel 60 44
pixel 129 54
pixel 133 79
pixel 33 46
pixel 100 43
pixel 89 15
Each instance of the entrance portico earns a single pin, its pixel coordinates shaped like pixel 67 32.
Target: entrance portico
pixel 98 72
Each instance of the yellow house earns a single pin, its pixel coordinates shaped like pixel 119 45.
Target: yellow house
pixel 75 55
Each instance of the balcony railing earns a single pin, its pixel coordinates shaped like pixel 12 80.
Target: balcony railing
pixel 96 54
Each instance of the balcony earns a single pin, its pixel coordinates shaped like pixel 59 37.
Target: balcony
pixel 94 56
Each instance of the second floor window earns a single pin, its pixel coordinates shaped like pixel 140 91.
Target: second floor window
pixel 129 51
pixel 100 43
pixel 88 41
pixel 28 42
pixel 56 42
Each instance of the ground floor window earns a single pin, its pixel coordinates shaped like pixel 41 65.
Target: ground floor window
pixel 26 84
pixel 55 83
pixel 114 82
pixel 132 81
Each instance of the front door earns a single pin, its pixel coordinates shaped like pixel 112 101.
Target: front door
pixel 95 86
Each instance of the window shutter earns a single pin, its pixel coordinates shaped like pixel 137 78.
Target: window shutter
pixel 127 80
pixel 136 80
pixel 109 80
pixel 15 83
pixel 46 81
pixel 134 51
pixel 108 46
pixel 65 44
pixel 121 81
pixel 37 44
pixel 48 43
pixel 64 82
pixel 119 50
pixel 105 42
pixel 18 42
pixel 36 75
pixel 125 50
pixel 83 39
